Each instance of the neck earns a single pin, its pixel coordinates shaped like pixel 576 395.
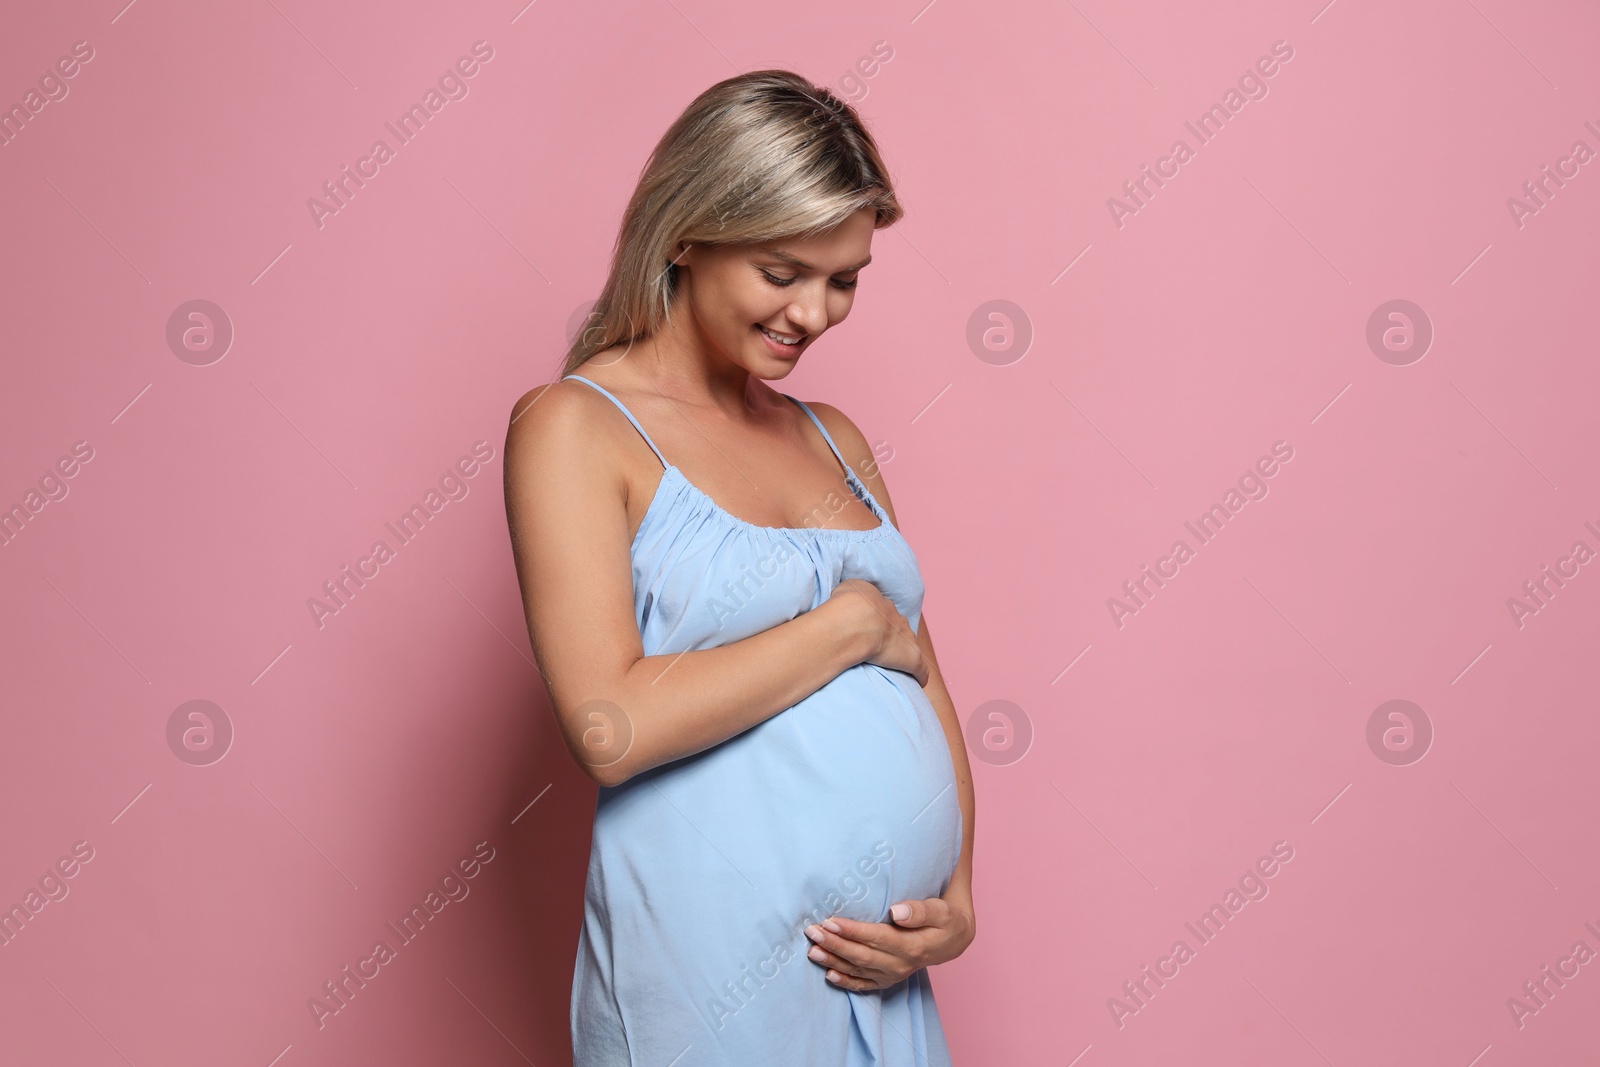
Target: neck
pixel 680 362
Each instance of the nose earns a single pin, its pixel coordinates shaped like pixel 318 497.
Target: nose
pixel 809 312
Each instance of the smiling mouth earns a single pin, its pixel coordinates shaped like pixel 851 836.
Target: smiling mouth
pixel 781 338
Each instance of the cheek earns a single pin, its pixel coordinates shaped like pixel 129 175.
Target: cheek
pixel 839 305
pixel 735 305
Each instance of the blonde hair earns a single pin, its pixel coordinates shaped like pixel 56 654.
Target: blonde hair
pixel 756 157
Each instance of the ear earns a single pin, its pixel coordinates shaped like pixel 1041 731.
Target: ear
pixel 681 255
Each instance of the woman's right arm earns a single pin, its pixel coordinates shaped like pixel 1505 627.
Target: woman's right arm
pixel 622 712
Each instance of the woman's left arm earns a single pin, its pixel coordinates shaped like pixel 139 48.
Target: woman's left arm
pixel 921 933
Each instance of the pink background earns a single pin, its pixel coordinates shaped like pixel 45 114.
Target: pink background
pixel 1168 354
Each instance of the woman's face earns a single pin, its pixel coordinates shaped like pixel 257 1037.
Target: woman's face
pixel 740 296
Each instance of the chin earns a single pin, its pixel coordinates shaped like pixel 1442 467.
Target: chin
pixel 770 370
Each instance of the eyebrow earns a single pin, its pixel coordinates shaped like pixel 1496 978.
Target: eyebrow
pixel 803 265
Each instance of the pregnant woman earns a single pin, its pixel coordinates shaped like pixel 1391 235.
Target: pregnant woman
pixel 729 623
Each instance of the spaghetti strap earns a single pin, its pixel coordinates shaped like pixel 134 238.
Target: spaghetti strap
pixel 827 437
pixel 624 409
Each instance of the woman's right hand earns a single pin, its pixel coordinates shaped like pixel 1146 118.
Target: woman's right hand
pixel 893 642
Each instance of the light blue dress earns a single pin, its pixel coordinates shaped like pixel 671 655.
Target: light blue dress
pixel 705 871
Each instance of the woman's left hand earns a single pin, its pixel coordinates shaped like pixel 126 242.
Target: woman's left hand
pixel 861 956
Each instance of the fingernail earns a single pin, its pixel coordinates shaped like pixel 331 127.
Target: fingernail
pixel 817 954
pixel 831 926
pixel 814 933
pixel 901 911
pixel 833 977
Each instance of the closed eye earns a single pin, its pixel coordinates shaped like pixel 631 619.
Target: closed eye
pixel 782 282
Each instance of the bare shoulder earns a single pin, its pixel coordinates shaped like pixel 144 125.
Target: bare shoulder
pixel 857 451
pixel 555 413
pixel 845 433
pixel 559 426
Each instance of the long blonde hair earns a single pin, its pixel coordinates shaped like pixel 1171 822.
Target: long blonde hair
pixel 756 157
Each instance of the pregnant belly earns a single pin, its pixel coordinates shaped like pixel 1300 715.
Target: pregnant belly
pixel 843 804
pixel 705 871
pixel 872 757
